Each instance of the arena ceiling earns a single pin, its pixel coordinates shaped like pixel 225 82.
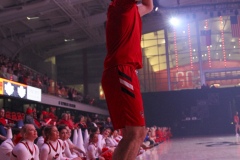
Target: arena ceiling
pixel 73 31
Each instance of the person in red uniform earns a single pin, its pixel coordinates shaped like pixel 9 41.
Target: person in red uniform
pixel 52 115
pixel 3 124
pixel 236 121
pixel 119 80
pixel 65 121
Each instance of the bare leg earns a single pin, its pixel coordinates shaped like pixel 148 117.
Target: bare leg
pixel 128 147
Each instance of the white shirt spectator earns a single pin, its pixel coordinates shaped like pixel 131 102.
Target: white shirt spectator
pixel 66 150
pixel 52 150
pixel 6 149
pixel 111 142
pixel 93 151
pixel 101 141
pixel 25 150
pixel 40 141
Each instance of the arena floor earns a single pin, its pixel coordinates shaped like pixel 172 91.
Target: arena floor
pixel 225 147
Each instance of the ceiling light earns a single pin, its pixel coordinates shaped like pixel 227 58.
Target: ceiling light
pixel 31 18
pixel 68 40
pixel 174 21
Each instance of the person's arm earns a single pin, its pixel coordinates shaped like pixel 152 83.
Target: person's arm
pixel 145 7
pixel 68 152
pixel 73 147
pixel 79 150
pixel 91 154
pixel 3 138
pixel 44 152
pixel 37 152
pixel 6 148
pixel 20 152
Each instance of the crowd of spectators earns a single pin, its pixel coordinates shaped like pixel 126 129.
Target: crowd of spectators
pixel 42 136
pixel 13 70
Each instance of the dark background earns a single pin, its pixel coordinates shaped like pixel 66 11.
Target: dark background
pixel 193 112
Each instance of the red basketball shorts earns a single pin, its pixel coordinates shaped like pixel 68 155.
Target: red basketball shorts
pixel 122 91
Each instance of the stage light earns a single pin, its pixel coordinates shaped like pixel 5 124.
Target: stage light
pixel 174 21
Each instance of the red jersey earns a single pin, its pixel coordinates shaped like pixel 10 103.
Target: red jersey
pixel 3 121
pixel 236 119
pixel 123 34
pixel 66 122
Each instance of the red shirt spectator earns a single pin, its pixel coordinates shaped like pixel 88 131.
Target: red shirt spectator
pixel 65 120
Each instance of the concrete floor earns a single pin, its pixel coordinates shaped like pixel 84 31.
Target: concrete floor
pixel 196 148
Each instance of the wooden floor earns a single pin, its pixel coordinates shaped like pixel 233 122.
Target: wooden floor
pixel 196 148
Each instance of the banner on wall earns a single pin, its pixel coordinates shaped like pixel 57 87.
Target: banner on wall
pixel 18 90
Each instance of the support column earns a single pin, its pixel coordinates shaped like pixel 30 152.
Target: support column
pixel 167 59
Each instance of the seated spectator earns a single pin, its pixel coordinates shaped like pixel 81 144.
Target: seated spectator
pixel 29 118
pixel 110 140
pixel 40 140
pixel 116 136
pixel 147 141
pixel 108 123
pixel 94 152
pixel 52 115
pixel 102 139
pixel 52 148
pixel 91 131
pixel 70 120
pixel 63 135
pixel 26 149
pixel 3 123
pixel 65 120
pixel 44 118
pixel 7 146
pixel 152 134
pixel 34 113
pixel 73 148
pixel 81 124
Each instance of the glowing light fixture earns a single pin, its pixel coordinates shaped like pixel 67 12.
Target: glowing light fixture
pixel 223 43
pixel 174 21
pixel 190 46
pixel 68 40
pixel 175 48
pixel 32 18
